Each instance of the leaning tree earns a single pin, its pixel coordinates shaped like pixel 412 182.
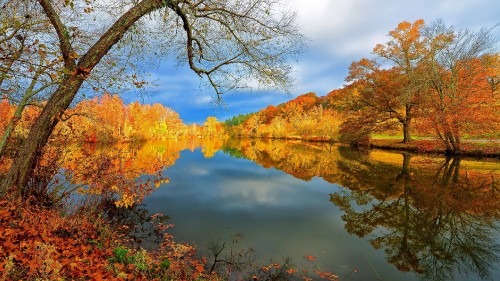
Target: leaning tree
pixel 229 43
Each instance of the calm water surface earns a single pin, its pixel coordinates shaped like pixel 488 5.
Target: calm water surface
pixel 364 216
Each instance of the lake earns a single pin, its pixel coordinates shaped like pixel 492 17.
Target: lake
pixel 362 215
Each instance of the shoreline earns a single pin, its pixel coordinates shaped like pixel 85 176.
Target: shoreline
pixel 432 147
pixel 470 150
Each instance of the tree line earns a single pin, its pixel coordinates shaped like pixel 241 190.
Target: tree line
pixel 109 120
pixel 306 117
pixel 432 80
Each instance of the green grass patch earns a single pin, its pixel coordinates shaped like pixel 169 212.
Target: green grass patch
pixel 396 137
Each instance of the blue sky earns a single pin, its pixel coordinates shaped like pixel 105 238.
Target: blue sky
pixel 339 32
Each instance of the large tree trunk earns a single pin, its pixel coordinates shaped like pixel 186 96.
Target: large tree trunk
pixel 19 174
pixel 406 132
pixel 21 170
pixel 450 142
pixel 406 124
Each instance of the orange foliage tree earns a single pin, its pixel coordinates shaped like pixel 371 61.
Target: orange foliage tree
pixel 405 52
pixel 376 99
pixel 108 119
pixel 446 76
pixel 6 110
pixel 212 128
pixel 389 94
pixel 461 73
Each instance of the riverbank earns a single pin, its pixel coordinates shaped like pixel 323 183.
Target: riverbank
pixel 470 148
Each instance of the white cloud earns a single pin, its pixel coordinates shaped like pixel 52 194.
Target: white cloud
pixel 203 100
pixel 199 171
pixel 250 193
pixel 342 31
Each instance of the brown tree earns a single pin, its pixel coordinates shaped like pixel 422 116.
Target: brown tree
pixel 376 99
pixel 394 93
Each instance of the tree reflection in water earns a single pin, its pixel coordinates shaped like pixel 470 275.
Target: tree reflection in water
pixel 431 218
pixel 428 214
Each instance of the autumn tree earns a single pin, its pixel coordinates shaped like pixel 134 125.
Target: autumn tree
pixel 391 92
pixel 269 113
pixel 6 110
pixel 299 104
pixel 405 52
pixel 306 117
pixel 113 115
pixel 85 124
pixel 278 127
pixel 374 100
pixel 251 125
pixel 212 128
pixel 32 67
pixel 448 76
pixel 108 120
pixel 462 90
pixel 222 41
pixel 493 63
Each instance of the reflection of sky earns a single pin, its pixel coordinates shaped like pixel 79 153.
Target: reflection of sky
pixel 279 215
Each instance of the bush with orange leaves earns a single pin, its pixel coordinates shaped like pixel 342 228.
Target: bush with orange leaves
pixel 37 243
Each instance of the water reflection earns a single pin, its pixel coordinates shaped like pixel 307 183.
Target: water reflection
pixel 300 159
pixel 434 217
pixel 125 172
pixel 429 215
pixel 431 218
